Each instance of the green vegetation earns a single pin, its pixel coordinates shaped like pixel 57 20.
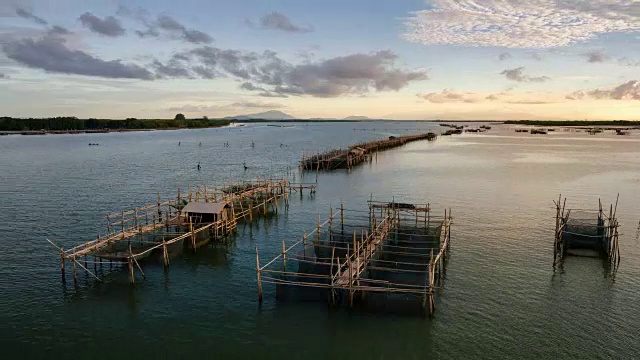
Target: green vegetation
pixel 73 123
pixel 573 123
pixel 180 117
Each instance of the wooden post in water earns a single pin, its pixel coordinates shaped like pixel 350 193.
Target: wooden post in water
pixel 132 278
pixel 122 224
pixel 165 254
pixel 330 225
pixel 258 275
pixel 75 272
pixel 342 216
pixel 284 256
pixel 333 294
pixel 62 265
pixel 304 244
pixel 193 236
pixel 108 227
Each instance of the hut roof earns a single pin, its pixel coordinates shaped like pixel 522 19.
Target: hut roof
pixel 204 208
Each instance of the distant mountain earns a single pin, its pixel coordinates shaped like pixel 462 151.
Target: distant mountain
pixel 356 117
pixel 267 115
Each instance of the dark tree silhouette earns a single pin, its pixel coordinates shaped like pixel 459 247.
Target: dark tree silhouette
pixel 180 117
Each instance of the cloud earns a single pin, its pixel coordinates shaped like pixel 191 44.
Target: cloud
pixel 109 26
pixel 530 102
pixel 626 91
pixel 505 97
pixel 450 96
pixel 273 77
pixel 58 30
pixel 520 24
pixel 517 74
pixel 596 57
pixel 137 14
pixel 253 104
pixel 628 62
pixel 26 14
pixel 193 108
pixel 277 21
pixel 52 54
pixel 167 26
pixel 504 56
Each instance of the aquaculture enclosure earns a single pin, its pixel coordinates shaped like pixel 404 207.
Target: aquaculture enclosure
pixel 390 257
pixel 583 232
pixel 356 154
pixel 188 221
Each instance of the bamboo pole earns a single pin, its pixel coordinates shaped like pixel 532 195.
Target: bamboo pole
pixel 304 244
pixel 165 254
pixel 193 236
pixel 342 216
pixel 284 256
pixel 258 276
pixel 330 224
pixel 75 274
pixel 62 265
pixel 333 300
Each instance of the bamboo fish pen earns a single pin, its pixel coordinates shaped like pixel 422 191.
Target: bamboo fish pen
pixel 584 232
pixel 375 258
pixel 190 220
pixel 356 154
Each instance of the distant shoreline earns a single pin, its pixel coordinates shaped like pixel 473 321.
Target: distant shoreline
pixel 573 123
pixel 72 125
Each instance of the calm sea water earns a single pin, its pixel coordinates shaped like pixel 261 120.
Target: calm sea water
pixel 501 297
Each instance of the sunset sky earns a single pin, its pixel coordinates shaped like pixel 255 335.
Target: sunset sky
pixel 394 59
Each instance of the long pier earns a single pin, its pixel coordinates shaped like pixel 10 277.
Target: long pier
pixel 356 154
pixel 392 249
pixel 133 235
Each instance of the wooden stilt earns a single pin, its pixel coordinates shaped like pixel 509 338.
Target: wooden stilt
pixel 62 265
pixel 165 254
pixel 258 275
pixel 75 273
pixel 284 256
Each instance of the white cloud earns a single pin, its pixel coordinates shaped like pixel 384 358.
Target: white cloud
pixel 521 23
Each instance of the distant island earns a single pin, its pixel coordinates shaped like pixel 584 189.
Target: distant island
pixel 276 115
pixel 265 116
pixel 72 124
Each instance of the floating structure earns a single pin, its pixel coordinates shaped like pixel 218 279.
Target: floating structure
pixel 452 132
pixel 591 233
pixel 539 131
pixel 522 130
pixel 188 221
pixel 356 154
pixel 377 259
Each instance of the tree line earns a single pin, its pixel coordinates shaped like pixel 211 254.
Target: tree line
pixel 73 123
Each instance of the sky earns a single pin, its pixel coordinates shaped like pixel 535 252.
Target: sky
pixel 391 59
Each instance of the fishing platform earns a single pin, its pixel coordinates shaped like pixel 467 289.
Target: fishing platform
pixel 378 258
pixel 584 232
pixel 187 221
pixel 356 154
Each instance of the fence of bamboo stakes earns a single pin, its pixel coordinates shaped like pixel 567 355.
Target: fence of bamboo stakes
pixel 347 273
pixel 611 224
pixel 150 218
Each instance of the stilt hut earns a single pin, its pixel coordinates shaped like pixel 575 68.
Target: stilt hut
pixel 206 212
